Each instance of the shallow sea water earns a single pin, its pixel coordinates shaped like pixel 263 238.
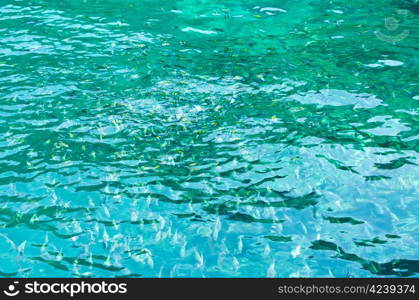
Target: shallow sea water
pixel 198 138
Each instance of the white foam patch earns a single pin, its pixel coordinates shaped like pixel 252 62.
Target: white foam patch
pixel 338 98
pixel 188 29
pixel 273 9
pixel 391 63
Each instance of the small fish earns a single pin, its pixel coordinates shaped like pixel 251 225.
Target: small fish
pixel 240 245
pixel 271 273
pixel 236 264
pixel 267 250
pixel 296 252
pixel 199 258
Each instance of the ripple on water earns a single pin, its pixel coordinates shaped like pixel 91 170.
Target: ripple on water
pixel 207 138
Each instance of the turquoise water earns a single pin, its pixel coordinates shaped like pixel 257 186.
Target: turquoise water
pixel 234 138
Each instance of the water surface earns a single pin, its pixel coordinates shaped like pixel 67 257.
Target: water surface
pixel 202 138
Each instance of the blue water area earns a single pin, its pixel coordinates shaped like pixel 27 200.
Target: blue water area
pixel 209 138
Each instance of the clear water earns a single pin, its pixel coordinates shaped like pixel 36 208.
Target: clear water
pixel 209 138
